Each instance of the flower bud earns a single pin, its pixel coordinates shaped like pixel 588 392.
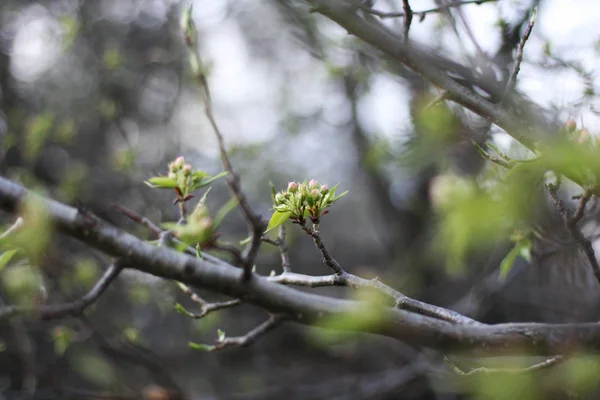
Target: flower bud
pixel 172 175
pixel 583 136
pixel 179 162
pixel 313 184
pixel 324 189
pixel 315 194
pixel 279 198
pixel 302 187
pixel 292 187
pixel 570 126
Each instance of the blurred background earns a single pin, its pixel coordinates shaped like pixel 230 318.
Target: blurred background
pixel 96 97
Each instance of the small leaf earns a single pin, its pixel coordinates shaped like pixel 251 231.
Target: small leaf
pixel 181 309
pixel 6 257
pixel 202 183
pixel 277 219
pixel 62 339
pixel 246 241
pixel 282 208
pixel 525 249
pixel 223 211
pixel 201 346
pixel 161 182
pixel 198 251
pixel 199 174
pixel 273 191
pixel 480 149
pixel 508 261
pixel 221 335
pixel 339 197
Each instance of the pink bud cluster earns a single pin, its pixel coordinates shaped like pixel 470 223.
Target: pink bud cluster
pixel 582 135
pixel 305 199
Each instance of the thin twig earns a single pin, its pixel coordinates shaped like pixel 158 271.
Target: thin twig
pixel 286 264
pixel 12 229
pixel 327 257
pixel 585 244
pixel 255 222
pixel 423 13
pixel 571 224
pixel 25 350
pixel 75 307
pixel 408 16
pixel 251 336
pixel 438 99
pixel 343 278
pixel 498 371
pixel 205 307
pixel 512 79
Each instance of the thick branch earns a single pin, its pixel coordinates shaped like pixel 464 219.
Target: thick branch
pixel 307 308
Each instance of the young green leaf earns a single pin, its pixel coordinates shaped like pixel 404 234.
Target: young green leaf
pixel 161 182
pixel 181 309
pixel 508 262
pixel 201 346
pixel 205 182
pixel 6 257
pixel 223 211
pixel 277 219
pixel 221 335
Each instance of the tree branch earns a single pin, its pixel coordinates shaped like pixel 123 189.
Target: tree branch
pixel 307 308
pixel 255 222
pixel 512 79
pixel 423 13
pixel 505 371
pixel 251 336
pixel 525 128
pixel 75 307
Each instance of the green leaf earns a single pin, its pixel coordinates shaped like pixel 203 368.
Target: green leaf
pixel 480 149
pixel 339 197
pixel 273 191
pixel 198 251
pixel 223 211
pixel 246 241
pixel 62 339
pixel 508 261
pixel 202 183
pixel 199 174
pixel 181 309
pixel 277 219
pixel 161 182
pixel 221 335
pixel 6 257
pixel 201 346
pixel 203 198
pixel 282 208
pixel 525 249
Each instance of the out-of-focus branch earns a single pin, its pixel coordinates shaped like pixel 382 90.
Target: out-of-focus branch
pixel 571 223
pixel 423 13
pixel 525 127
pixel 255 222
pixel 512 79
pixel 75 307
pixel 13 228
pixel 505 371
